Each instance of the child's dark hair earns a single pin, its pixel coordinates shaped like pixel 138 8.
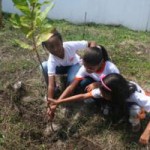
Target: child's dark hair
pixel 57 34
pixel 121 89
pixel 54 33
pixel 94 55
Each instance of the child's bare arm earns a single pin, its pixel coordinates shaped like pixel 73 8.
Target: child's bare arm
pixel 69 90
pixel 144 139
pixel 71 99
pixel 51 83
pixel 54 103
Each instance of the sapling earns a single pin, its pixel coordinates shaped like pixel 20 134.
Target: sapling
pixel 32 22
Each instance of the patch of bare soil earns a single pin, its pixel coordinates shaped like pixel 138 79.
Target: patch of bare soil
pixel 23 119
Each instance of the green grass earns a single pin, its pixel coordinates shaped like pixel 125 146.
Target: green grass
pixel 129 50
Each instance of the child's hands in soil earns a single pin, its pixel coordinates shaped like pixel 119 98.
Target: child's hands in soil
pixel 52 105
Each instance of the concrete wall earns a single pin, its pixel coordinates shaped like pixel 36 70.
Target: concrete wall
pixel 134 14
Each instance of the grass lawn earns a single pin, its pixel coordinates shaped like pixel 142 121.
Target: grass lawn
pixel 23 123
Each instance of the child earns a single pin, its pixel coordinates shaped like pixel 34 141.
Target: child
pixel 62 59
pixel 95 63
pixel 128 97
pixel 131 99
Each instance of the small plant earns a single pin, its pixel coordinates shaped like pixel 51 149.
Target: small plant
pixel 32 22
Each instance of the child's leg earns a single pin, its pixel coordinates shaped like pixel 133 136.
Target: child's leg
pixel 134 111
pixel 72 71
pixel 60 78
pixel 144 139
pixel 61 69
pixel 45 71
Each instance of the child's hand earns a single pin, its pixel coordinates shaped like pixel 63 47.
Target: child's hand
pixel 144 139
pixel 51 101
pixel 142 114
pixel 92 86
pixel 52 105
pixel 50 113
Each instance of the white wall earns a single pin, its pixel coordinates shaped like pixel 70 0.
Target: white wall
pixel 134 14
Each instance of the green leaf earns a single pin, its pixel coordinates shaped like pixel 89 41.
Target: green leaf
pixel 42 37
pixel 33 21
pixel 45 27
pixel 15 20
pixel 21 2
pixel 29 34
pixel 45 12
pixel 24 9
pixel 22 5
pixel 47 2
pixel 25 30
pixel 23 24
pixel 23 44
pixel 33 1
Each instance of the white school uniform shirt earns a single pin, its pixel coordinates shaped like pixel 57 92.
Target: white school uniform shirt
pixel 139 97
pixel 106 69
pixel 70 56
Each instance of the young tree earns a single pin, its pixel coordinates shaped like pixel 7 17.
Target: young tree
pixel 32 22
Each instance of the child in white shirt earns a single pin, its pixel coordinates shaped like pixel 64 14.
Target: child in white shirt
pixel 95 63
pixel 63 59
pixel 128 97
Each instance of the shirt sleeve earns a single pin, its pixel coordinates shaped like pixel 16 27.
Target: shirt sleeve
pixel 139 89
pixel 80 74
pixel 112 68
pixel 96 93
pixel 51 66
pixel 142 100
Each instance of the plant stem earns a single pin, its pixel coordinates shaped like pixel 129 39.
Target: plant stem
pixel 38 56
